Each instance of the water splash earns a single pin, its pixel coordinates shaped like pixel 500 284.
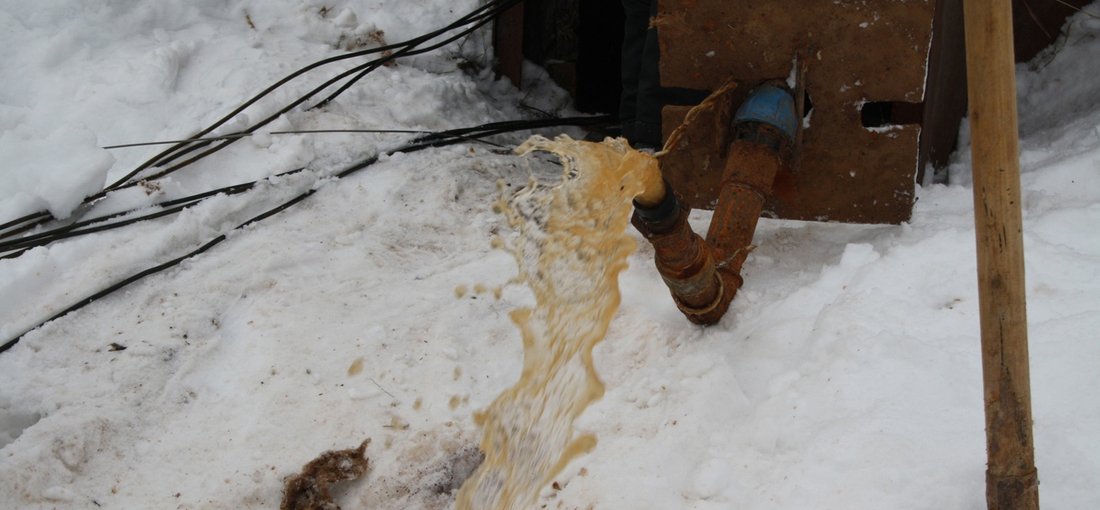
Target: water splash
pixel 571 247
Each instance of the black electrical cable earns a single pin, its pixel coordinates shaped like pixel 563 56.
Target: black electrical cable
pixel 479 16
pixel 162 159
pixel 477 23
pixel 18 221
pixel 245 135
pixel 21 245
pixel 361 70
pixel 435 140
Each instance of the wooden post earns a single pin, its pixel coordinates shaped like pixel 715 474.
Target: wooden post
pixel 1011 477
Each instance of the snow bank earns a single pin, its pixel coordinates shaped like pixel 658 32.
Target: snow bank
pixel 52 171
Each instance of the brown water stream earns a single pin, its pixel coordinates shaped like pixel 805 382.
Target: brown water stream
pixel 571 246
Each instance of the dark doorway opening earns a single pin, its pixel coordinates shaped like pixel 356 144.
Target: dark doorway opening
pixel 599 59
pixel 579 43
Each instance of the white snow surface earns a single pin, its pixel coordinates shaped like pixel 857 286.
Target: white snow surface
pixel 846 374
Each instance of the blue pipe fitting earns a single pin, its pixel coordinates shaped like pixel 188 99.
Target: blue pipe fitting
pixel 772 105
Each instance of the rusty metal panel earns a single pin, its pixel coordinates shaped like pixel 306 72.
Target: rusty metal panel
pixel 854 52
pixel 695 151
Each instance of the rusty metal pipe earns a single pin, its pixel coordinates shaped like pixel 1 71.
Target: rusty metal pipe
pixel 683 259
pixel 755 159
pixel 704 276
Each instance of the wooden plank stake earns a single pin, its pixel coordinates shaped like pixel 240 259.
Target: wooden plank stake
pixel 1011 477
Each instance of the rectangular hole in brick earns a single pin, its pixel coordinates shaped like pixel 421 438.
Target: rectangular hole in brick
pixel 877 114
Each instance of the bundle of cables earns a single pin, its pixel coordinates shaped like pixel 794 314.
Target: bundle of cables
pixel 13 238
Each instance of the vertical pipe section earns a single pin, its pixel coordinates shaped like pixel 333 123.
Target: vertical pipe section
pixel 1011 477
pixel 754 161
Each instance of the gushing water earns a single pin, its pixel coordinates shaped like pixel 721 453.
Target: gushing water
pixel 571 247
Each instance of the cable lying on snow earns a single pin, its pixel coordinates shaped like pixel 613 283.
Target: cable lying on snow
pixel 440 139
pixel 389 53
pixel 13 248
pixel 170 159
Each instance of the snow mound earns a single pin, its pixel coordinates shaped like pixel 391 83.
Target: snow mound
pixel 52 171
